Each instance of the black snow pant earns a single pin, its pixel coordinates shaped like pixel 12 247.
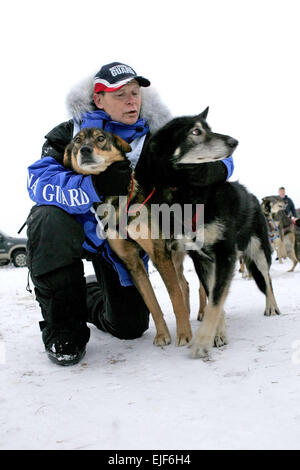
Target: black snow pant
pixel 66 298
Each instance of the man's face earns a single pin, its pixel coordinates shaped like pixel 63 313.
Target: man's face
pixel 122 105
pixel 281 192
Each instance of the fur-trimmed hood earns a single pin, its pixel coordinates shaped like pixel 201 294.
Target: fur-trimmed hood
pixel 80 100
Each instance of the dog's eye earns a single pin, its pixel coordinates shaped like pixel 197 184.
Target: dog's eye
pixel 196 131
pixel 78 140
pixel 101 138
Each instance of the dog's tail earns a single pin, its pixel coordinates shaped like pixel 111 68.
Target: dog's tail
pixel 264 252
pixel 256 274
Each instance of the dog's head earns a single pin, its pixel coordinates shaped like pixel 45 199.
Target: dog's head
pixel 93 150
pixel 271 205
pixel 184 140
pixel 201 145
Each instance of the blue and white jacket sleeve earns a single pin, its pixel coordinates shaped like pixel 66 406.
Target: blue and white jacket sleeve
pixel 49 183
pixel 228 162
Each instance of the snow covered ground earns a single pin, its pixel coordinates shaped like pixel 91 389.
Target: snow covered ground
pixel 132 395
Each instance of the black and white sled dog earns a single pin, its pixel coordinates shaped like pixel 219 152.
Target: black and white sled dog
pixel 234 224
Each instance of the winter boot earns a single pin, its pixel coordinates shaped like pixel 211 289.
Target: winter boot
pixel 62 298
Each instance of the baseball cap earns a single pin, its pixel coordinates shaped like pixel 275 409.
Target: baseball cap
pixel 113 76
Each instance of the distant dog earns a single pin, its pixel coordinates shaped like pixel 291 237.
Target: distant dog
pixel 234 224
pixel 91 152
pixel 243 269
pixel 288 239
pixel 271 205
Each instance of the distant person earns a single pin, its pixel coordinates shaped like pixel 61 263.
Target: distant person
pixel 290 207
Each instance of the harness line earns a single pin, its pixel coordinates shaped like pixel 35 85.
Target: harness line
pixel 130 197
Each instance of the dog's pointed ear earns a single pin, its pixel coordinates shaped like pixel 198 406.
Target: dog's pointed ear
pixel 122 144
pixel 204 113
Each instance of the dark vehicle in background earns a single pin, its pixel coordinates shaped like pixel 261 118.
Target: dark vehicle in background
pixel 12 249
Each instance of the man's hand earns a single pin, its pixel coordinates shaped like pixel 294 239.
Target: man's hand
pixel 114 181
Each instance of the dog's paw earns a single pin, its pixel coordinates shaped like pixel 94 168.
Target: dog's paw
pixel 162 339
pixel 199 351
pixel 184 334
pixel 271 311
pixel 220 340
pixel 221 335
pixel 183 339
pixel 200 346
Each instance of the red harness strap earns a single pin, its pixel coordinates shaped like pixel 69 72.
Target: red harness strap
pixel 122 221
pixel 130 197
pixel 195 218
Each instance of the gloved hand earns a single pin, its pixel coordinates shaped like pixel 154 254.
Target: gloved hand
pixel 114 181
pixel 203 174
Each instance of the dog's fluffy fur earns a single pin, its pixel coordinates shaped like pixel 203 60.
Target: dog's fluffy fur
pixel 234 222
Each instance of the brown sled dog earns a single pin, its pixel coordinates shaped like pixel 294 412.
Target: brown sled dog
pixel 91 151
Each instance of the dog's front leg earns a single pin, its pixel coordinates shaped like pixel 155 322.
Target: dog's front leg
pixel 213 325
pixel 128 253
pixel 221 335
pixel 161 258
pixel 177 259
pixel 143 284
pixel 181 311
pixel 202 302
pixel 205 336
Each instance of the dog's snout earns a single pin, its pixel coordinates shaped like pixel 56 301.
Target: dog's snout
pixel 86 150
pixel 232 142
